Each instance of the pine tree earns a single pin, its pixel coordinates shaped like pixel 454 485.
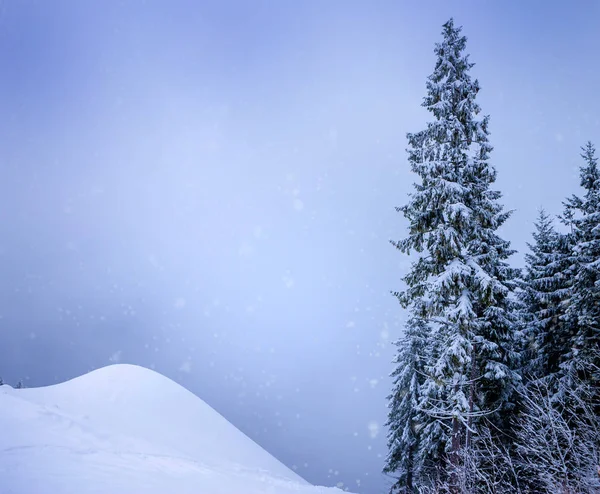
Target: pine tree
pixel 545 290
pixel 461 281
pixel 404 418
pixel 583 313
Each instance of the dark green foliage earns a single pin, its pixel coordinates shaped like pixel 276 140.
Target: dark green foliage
pixel 546 290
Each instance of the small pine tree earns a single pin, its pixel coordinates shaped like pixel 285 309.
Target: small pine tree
pixel 583 312
pixel 545 289
pixel 404 418
pixel 19 384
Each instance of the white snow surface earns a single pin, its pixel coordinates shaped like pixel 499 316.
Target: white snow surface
pixel 124 429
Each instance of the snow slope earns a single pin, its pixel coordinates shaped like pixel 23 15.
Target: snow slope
pixel 124 429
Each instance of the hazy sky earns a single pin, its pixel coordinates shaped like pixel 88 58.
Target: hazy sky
pixel 208 188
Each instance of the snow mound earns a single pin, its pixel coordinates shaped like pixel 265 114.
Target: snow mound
pixel 124 429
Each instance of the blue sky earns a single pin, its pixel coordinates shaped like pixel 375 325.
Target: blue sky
pixel 208 188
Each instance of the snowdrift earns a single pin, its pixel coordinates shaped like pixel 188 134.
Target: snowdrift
pixel 125 429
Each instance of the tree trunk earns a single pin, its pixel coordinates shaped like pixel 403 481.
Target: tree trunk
pixel 455 452
pixel 409 471
pixel 472 379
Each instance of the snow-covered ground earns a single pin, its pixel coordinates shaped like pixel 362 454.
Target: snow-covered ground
pixel 124 429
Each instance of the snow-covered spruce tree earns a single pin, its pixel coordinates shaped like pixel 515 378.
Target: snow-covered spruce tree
pixel 404 418
pixel 461 281
pixel 545 289
pixel 583 312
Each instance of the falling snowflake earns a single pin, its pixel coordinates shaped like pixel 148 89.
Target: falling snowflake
pixel 288 281
pixel 373 428
pixel 115 358
pixel 385 334
pixel 186 366
pixel 246 250
pixel 298 204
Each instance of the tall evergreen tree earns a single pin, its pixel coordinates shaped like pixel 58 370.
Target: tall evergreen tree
pixel 583 313
pixel 461 281
pixel 404 418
